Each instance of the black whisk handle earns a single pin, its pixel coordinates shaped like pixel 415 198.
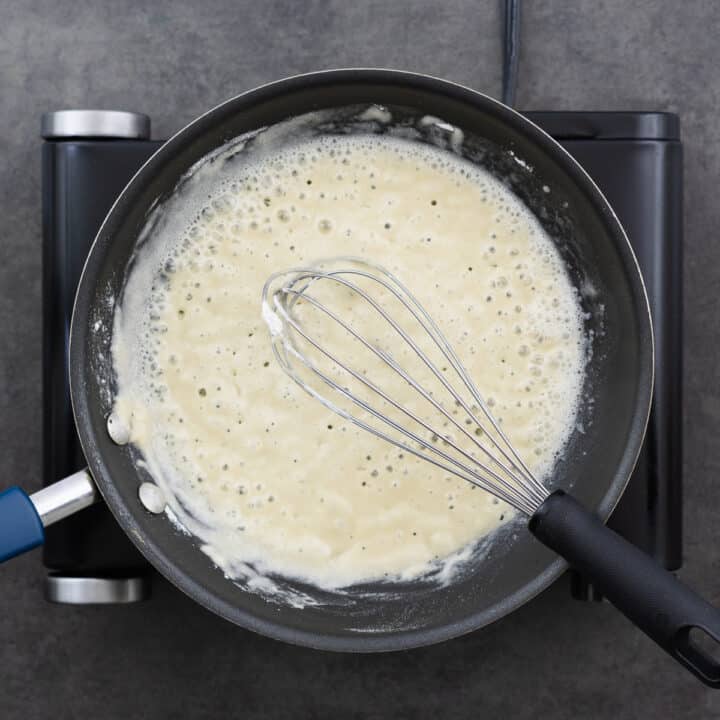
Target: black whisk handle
pixel 652 598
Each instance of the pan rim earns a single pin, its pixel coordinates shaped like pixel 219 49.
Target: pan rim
pixel 381 641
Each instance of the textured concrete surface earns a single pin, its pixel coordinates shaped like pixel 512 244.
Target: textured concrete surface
pixel 553 659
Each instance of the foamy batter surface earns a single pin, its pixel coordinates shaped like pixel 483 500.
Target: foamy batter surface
pixel 264 474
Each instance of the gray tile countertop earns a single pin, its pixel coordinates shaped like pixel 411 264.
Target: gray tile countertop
pixel 167 658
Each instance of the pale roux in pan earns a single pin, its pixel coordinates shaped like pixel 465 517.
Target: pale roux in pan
pixel 261 472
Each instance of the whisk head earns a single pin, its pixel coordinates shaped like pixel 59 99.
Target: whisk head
pixel 356 339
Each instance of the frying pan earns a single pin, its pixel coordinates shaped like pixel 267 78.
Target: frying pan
pixel 506 570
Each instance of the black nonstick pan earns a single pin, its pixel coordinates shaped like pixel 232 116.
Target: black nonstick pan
pixel 514 567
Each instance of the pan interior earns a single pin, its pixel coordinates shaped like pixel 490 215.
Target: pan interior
pixel 504 571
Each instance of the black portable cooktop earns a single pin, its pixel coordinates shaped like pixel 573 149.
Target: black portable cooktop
pixel 89 156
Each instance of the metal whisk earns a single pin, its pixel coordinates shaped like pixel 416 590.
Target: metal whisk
pixel 480 451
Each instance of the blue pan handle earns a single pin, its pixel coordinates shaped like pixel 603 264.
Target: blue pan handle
pixel 23 517
pixel 21 527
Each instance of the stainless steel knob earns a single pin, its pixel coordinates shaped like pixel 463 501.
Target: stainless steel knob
pixel 71 590
pixel 99 124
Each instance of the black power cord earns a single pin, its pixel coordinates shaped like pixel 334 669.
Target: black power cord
pixel 511 50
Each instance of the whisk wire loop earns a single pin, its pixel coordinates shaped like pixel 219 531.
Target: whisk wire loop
pixel 509 478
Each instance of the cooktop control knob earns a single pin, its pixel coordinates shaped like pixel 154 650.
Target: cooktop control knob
pixel 82 590
pixel 97 124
